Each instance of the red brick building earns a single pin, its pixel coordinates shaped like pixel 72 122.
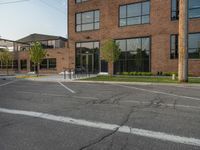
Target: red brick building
pixel 55 61
pixel 147 31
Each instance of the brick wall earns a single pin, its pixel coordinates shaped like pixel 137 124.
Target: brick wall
pixel 61 55
pixel 160 29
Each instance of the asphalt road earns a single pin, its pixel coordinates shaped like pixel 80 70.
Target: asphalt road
pixel 89 116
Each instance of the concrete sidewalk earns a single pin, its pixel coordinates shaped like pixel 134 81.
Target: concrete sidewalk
pixel 58 78
pixel 4 77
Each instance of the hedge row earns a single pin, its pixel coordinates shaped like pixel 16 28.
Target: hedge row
pixel 147 73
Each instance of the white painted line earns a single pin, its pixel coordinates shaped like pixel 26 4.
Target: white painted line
pixel 159 92
pixel 99 125
pixel 67 88
pixel 7 83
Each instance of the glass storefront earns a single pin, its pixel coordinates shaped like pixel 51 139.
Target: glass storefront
pixel 87 57
pixel 135 55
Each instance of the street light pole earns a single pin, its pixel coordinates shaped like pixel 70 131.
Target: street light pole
pixel 183 41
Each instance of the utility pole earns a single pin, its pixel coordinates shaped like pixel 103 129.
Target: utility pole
pixel 183 41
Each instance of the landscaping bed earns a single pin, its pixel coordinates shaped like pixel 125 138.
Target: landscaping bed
pixel 128 78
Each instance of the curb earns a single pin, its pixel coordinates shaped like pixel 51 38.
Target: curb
pixel 136 83
pixel 114 82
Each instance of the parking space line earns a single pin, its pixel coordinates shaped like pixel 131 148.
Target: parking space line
pixel 105 126
pixel 159 92
pixel 67 88
pixel 7 83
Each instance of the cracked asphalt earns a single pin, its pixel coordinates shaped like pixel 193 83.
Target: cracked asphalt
pixel 171 109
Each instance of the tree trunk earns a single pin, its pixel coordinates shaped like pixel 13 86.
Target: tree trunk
pixel 110 68
pixel 38 68
pixel 35 68
pixel 7 69
pixel 183 41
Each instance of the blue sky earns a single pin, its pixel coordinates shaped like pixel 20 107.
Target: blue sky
pixel 32 16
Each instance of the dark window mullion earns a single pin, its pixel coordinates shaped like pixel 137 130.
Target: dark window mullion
pixel 141 13
pixel 93 20
pixel 126 55
pixel 126 14
pixel 81 22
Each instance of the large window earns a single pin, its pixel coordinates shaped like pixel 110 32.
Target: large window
pixel 193 46
pixel 15 64
pixel 174 47
pixel 87 57
pixel 135 55
pixel 49 44
pixel 23 64
pixel 193 9
pixel 80 1
pixel 49 63
pixel 52 63
pixel 12 65
pixel 132 14
pixel 175 9
pixel 87 21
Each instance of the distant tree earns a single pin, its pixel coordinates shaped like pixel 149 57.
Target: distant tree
pixel 6 58
pixel 110 52
pixel 37 53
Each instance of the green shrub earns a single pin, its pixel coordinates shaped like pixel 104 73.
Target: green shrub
pixel 136 73
pixel 125 73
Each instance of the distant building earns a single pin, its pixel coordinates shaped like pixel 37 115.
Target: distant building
pixel 55 61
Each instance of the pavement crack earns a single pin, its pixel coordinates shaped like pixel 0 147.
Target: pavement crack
pixel 114 99
pixel 156 102
pixel 174 104
pixel 99 140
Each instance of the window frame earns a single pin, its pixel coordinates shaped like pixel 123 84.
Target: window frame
pixel 177 12
pixel 81 1
pixel 92 41
pixel 140 2
pixel 48 66
pixel 176 36
pixel 23 66
pixel 140 37
pixel 87 23
pixel 198 59
pixel 189 9
pixel 192 48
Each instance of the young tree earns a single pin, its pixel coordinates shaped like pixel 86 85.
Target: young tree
pixel 183 41
pixel 37 53
pixel 110 52
pixel 6 58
